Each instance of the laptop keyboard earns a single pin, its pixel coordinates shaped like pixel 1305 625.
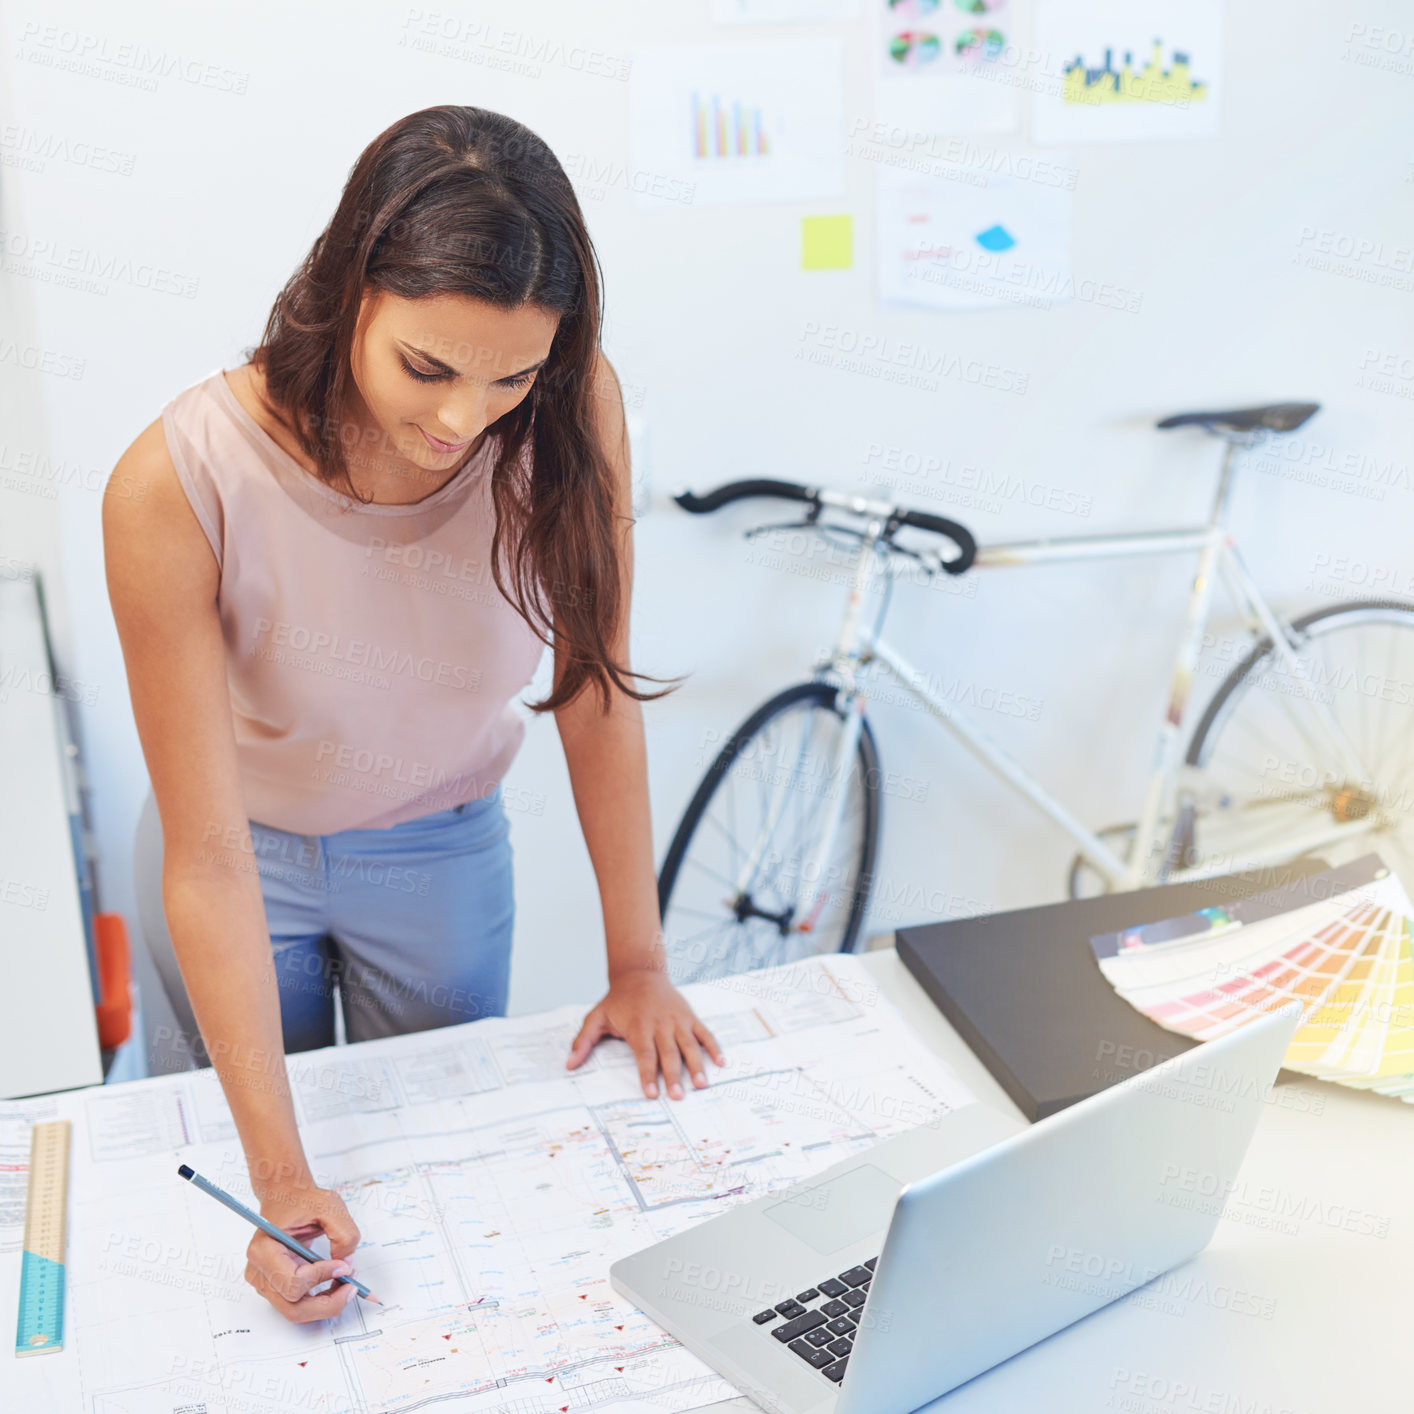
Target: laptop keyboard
pixel 819 1323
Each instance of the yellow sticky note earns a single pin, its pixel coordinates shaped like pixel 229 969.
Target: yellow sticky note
pixel 826 242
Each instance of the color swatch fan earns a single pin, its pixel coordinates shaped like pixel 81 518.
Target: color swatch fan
pixel 1347 958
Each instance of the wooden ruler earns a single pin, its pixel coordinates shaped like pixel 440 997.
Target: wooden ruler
pixel 41 1323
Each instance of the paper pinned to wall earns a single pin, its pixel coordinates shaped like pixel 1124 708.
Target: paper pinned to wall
pixel 732 124
pixel 782 12
pixel 943 67
pixel 1129 70
pixel 961 241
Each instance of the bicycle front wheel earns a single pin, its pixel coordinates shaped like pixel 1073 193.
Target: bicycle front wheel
pixel 1269 747
pixel 733 893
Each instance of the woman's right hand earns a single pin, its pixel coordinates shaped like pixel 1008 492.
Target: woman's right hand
pixel 285 1280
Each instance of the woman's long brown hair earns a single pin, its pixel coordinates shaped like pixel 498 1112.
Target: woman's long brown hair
pixel 463 201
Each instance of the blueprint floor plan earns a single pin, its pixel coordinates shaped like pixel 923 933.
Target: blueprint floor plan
pixel 492 1188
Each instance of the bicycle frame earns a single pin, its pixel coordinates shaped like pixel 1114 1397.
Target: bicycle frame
pixel 1152 855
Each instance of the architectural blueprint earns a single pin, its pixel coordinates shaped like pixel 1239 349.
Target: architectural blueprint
pixel 492 1188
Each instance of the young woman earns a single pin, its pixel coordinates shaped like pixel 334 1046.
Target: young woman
pixel 333 569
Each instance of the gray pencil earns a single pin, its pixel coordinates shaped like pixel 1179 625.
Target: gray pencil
pixel 236 1206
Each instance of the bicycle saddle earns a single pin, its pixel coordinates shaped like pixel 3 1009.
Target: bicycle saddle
pixel 1274 417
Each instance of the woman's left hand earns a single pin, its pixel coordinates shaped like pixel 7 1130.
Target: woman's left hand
pixel 643 1008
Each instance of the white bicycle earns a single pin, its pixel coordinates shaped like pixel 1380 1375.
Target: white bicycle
pixel 1307 745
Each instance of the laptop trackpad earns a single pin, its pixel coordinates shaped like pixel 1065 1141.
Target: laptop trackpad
pixel 833 1214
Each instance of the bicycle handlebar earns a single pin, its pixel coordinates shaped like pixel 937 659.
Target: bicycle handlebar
pixel 739 491
pixel 859 505
pixel 951 530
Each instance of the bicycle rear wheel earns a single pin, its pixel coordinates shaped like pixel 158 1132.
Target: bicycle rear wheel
pixel 763 799
pixel 1268 774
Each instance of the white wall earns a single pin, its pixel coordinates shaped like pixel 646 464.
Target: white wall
pixel 706 311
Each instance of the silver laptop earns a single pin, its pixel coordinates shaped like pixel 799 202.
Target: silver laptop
pixel 901 1272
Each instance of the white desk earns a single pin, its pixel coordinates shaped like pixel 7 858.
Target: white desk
pixel 1332 1309
pixel 1286 1311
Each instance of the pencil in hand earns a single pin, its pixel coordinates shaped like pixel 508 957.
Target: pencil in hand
pixel 236 1206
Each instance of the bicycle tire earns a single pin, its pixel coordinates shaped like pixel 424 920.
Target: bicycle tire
pixel 1245 676
pixel 821 694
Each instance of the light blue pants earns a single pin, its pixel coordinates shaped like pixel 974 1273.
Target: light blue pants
pixel 411 924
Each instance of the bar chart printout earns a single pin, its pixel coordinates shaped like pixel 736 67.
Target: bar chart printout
pixel 1126 72
pixel 1151 82
pixel 738 124
pixel 727 128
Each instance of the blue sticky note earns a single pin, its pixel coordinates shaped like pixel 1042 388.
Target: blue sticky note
pixel 996 238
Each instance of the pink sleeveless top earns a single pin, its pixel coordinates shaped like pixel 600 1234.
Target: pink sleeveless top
pixel 370 657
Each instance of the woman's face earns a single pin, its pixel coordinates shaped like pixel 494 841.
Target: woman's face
pixel 434 373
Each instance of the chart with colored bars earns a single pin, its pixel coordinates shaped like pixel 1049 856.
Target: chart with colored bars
pixel 738 124
pixel 727 129
pixel 492 1189
pixel 1346 959
pixel 1130 73
pixel 1151 83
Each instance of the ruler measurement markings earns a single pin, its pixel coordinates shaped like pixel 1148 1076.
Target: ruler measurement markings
pixel 41 1315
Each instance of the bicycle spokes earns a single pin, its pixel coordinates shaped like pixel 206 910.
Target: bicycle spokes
pixel 750 889
pixel 1271 786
